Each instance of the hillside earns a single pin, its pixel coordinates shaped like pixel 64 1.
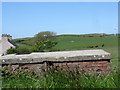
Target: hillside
pixel 76 42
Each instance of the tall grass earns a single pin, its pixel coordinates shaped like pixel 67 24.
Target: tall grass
pixel 61 79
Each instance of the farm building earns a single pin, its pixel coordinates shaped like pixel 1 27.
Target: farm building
pixel 84 60
pixel 6 43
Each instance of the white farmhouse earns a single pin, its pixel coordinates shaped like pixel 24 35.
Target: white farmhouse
pixel 6 43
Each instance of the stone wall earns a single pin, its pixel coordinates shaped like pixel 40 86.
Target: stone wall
pixel 86 62
pixel 86 66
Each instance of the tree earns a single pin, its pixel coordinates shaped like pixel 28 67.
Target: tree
pixel 44 41
pixel 44 45
pixel 46 35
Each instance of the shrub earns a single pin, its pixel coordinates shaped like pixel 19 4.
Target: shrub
pixel 18 51
pixel 23 51
pixel 11 51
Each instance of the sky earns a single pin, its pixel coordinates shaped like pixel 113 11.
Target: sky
pixel 25 19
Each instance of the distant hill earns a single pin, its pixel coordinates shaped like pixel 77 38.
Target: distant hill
pixel 71 41
pixel 23 40
pixel 88 35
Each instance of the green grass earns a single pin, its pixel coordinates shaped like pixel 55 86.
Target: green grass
pixel 83 42
pixel 62 79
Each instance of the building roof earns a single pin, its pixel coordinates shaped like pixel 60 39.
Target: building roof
pixel 10 41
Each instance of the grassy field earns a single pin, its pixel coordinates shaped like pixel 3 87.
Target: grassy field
pixel 70 79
